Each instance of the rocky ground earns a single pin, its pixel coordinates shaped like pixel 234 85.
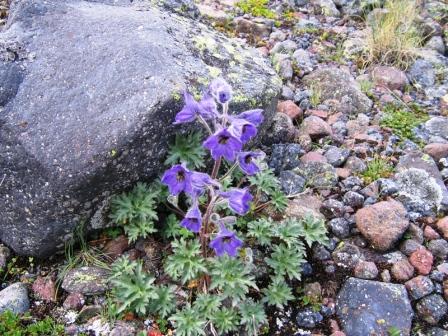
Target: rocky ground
pixel 364 146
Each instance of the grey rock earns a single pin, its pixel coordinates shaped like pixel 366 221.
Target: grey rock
pixel 85 97
pixel 414 179
pixel 285 47
pixel 14 298
pixel 437 332
pixel 283 65
pixel 301 95
pixel 359 317
pixel 422 72
pixel 438 248
pixel 281 130
pixel 336 156
pixel 366 270
pixel 186 8
pixel 308 318
pixel 388 187
pixel 291 183
pixel 287 93
pixel 285 157
pixel 436 43
pixel 334 83
pixel 352 182
pixel 353 199
pixel 326 7
pixel 321 253
pixel 438 126
pixel 347 256
pixel 419 287
pixel 87 280
pixel 340 227
pixel 332 208
pixel 409 246
pixel 355 164
pixel 432 308
pixel 302 60
pixel 318 174
pixel 5 253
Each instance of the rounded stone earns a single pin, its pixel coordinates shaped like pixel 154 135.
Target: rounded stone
pixel 366 270
pixel 432 308
pixel 88 280
pixel 15 298
pixel 382 224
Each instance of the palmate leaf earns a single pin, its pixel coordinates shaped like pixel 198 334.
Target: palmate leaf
pixel 253 316
pixel 265 180
pixel 232 277
pixel 278 293
pixel 165 302
pixel 207 304
pixel 188 322
pixel 313 230
pixel 287 260
pixel 136 210
pixel 262 230
pixel 226 320
pixel 188 149
pixel 135 290
pixel 186 262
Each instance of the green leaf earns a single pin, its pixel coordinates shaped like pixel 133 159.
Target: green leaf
pixel 186 262
pixel 172 229
pixel 252 316
pixel 166 301
pixel 262 230
pixel 188 322
pixel 313 230
pixel 226 320
pixel 207 304
pixel 232 277
pixel 136 210
pixel 278 293
pixel 188 149
pixel 265 181
pixel 287 260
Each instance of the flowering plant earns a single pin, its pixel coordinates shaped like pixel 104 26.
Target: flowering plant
pixel 227 135
pixel 222 247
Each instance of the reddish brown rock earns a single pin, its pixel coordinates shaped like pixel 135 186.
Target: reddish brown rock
pixel 437 150
pixel 313 157
pixel 343 172
pixel 315 127
pixel 289 108
pixel 116 247
pixel 442 226
pixel 402 270
pixel 419 287
pixel 390 77
pixel 44 288
pixel 382 224
pixel 445 289
pixel 318 113
pixel 422 261
pixel 74 301
pixel 430 234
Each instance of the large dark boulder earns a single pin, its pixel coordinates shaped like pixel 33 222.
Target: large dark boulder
pixel 367 307
pixel 88 92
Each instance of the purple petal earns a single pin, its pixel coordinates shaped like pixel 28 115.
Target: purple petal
pixel 221 90
pixel 176 178
pixel 253 116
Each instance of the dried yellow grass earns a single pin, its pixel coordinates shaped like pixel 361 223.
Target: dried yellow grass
pixel 393 36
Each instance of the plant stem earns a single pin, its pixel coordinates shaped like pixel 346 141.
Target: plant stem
pixel 231 169
pixel 216 168
pixel 203 122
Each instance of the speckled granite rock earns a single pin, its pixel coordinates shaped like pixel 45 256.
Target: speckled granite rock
pixel 87 88
pixel 367 307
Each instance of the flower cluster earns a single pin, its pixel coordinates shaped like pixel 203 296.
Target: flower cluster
pixel 227 135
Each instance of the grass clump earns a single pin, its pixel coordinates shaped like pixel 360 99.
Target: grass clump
pixel 12 324
pixel 393 35
pixel 315 96
pixel 256 8
pixel 377 168
pixel 402 121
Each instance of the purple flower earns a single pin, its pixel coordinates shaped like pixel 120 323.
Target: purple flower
pixel 243 129
pixel 246 162
pixel 226 242
pixel 193 219
pixel 177 179
pixel 206 108
pixel 239 200
pixel 221 90
pixel 223 143
pixel 198 183
pixel 255 117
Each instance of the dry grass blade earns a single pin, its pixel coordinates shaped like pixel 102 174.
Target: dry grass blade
pixel 393 36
